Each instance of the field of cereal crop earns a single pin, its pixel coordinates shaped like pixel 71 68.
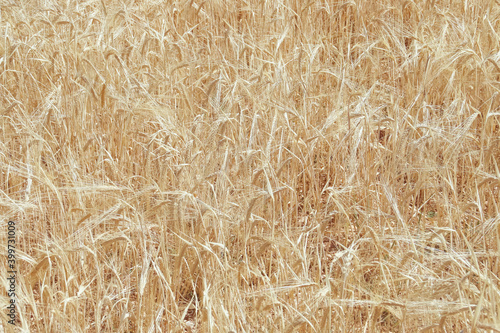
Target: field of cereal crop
pixel 251 166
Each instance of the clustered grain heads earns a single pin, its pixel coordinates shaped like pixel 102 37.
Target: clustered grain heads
pixel 248 166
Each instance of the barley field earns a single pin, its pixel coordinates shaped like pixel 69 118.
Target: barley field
pixel 251 166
